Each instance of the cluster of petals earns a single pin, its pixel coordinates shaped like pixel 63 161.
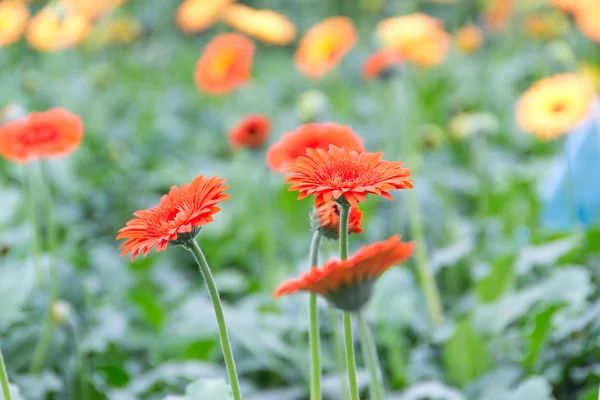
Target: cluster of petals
pixel 251 132
pixel 379 62
pixel 57 27
pixel 326 218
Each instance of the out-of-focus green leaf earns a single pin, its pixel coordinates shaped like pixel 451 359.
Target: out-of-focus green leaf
pixel 545 254
pixel 16 285
pixel 538 335
pixel 39 387
pixel 466 356
pixel 497 281
pixel 429 390
pixel 214 389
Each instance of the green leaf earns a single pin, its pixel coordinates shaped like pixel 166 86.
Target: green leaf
pixel 539 334
pixel 497 281
pixel 466 356
pixel 16 284
pixel 214 389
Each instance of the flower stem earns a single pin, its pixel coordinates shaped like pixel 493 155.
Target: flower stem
pixel 348 338
pixel 4 379
pixel 370 353
pixel 204 269
pixel 313 312
pixel 35 234
pixel 339 351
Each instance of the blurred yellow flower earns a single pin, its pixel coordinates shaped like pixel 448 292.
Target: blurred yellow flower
pixel 122 30
pixel 590 72
pixel 468 38
pixel 195 16
pixel 13 19
pixel 545 25
pixel 588 20
pixel 56 27
pixel 92 9
pixel 419 38
pixel 265 25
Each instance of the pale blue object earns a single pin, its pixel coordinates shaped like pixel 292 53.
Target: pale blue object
pixel 575 200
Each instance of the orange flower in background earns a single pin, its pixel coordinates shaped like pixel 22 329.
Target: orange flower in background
pixel 195 16
pixel 555 105
pixel 588 20
pixel 326 219
pixel 180 214
pixel 379 62
pixel 573 5
pixel 57 27
pixel 225 63
pixel 348 284
pixel 498 14
pixel 93 9
pixel 49 134
pixel 310 136
pixel 251 132
pixel 419 38
pixel 324 45
pixel 544 25
pixel 468 38
pixel 13 19
pixel 265 25
pixel 340 174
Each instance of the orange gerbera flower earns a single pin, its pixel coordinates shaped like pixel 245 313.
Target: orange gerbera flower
pixel 348 284
pixel 265 25
pixel 555 105
pixel 468 38
pixel 49 134
pixel 57 27
pixel 13 19
pixel 225 64
pixel 324 45
pixel 178 217
pixel 340 174
pixel 326 219
pixel 588 20
pixel 498 14
pixel 195 16
pixel 310 136
pixel 251 132
pixel 379 62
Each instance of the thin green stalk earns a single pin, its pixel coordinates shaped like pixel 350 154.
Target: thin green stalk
pixel 32 215
pixel 4 379
pixel 338 348
pixel 377 387
pixel 83 387
pixel 313 312
pixel 204 269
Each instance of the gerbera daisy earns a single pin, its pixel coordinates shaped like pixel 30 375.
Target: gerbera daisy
pixel 379 62
pixel 348 284
pixel 179 216
pixel 588 20
pixel 339 174
pixel 326 219
pixel 225 63
pixel 49 134
pixel 324 45
pixel 57 27
pixel 310 136
pixel 251 132
pixel 195 16
pixel 265 25
pixel 468 38
pixel 555 105
pixel 13 19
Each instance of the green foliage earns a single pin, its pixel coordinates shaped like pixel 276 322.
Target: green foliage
pixel 466 356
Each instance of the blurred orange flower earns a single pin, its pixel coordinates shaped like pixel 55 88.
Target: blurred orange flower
pixel 50 134
pixel 195 16
pixel 326 219
pixel 339 174
pixel 310 136
pixel 555 105
pixel 498 14
pixel 250 132
pixel 56 27
pixel 225 63
pixel 419 38
pixel 588 20
pixel 348 284
pixel 379 62
pixel 181 212
pixel 468 38
pixel 324 45
pixel 265 25
pixel 13 19
pixel 92 9
pixel 573 5
pixel 544 25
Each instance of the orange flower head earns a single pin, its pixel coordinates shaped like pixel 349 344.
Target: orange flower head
pixel 572 5
pixel 225 64
pixel 195 16
pixel 50 134
pixel 326 219
pixel 379 62
pixel 555 105
pixel 13 20
pixel 251 132
pixel 310 136
pixel 588 20
pixel 57 27
pixel 498 14
pixel 343 175
pixel 265 25
pixel 468 38
pixel 177 219
pixel 348 284
pixel 324 45
pixel 545 25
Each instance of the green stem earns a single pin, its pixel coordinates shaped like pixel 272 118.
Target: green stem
pixel 339 351
pixel 370 354
pixel 35 234
pixel 313 312
pixel 83 387
pixel 4 379
pixel 204 269
pixel 348 338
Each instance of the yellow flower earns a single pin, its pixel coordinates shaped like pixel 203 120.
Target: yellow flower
pixel 588 20
pixel 590 72
pixel 56 27
pixel 195 16
pixel 13 19
pixel 468 38
pixel 555 105
pixel 265 25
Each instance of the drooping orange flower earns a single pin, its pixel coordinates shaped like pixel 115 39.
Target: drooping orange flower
pixel 348 284
pixel 57 27
pixel 588 20
pixel 179 216
pixel 326 219
pixel 50 134
pixel 310 136
pixel 419 38
pixel 340 174
pixel 250 132
pixel 324 45
pixel 265 25
pixel 13 19
pixel 468 38
pixel 498 14
pixel 555 105
pixel 225 63
pixel 379 62
pixel 195 16
pixel 93 9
